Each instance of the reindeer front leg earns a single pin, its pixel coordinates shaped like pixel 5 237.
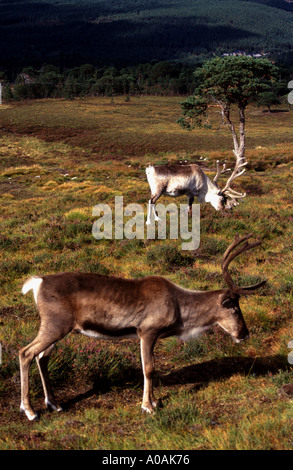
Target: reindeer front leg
pixel 147 343
pixel 151 205
pixel 149 212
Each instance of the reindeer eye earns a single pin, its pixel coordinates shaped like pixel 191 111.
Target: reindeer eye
pixel 228 303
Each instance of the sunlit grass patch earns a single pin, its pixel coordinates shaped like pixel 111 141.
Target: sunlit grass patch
pixel 23 170
pixel 252 431
pixel 82 213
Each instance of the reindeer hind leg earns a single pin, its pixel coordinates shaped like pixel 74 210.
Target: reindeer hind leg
pixel 40 346
pixel 190 202
pixel 42 361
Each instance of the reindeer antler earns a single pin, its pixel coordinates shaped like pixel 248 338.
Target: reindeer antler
pixel 238 171
pixel 220 172
pixel 229 255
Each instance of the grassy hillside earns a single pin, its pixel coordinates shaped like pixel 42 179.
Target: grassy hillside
pixel 113 32
pixel 60 158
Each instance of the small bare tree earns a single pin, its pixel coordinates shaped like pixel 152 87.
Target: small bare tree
pixel 225 83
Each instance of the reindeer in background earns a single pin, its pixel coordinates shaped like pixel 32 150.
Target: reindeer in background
pixel 190 180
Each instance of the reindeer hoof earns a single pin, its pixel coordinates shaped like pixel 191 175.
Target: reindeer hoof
pixel 52 406
pixel 157 403
pixel 146 409
pixel 30 415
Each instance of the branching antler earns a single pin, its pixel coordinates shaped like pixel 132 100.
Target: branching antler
pixel 240 163
pixel 220 172
pixel 238 171
pixel 229 255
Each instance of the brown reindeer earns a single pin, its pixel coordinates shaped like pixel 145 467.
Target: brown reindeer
pixel 111 307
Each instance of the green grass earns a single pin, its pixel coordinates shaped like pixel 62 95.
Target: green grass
pixel 58 159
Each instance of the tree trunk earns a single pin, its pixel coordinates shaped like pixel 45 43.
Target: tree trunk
pixel 238 141
pixel 241 149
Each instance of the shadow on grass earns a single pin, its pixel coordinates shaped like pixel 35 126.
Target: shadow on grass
pixel 132 379
pixel 200 375
pixel 222 368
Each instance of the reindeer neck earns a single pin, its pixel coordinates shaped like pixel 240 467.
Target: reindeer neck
pixel 198 307
pixel 212 187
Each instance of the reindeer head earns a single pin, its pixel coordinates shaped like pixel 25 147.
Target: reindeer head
pixel 230 196
pixel 229 314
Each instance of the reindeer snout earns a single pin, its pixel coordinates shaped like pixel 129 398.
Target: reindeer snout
pixel 221 204
pixel 243 338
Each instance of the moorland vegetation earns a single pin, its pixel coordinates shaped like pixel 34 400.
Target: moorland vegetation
pixel 61 157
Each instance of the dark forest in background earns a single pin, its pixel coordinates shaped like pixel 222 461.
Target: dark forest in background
pixel 127 32
pixel 59 48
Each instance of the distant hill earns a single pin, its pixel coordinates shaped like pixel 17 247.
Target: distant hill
pixel 124 32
